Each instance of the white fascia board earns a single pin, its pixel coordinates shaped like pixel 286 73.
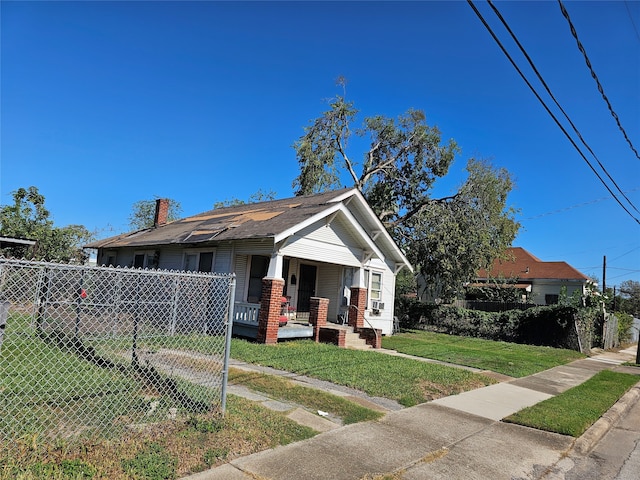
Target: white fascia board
pixel 309 221
pixel 331 212
pixel 381 228
pixel 346 195
pixel 19 241
pixel 363 234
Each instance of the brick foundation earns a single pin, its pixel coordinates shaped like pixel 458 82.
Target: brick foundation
pixel 333 336
pixel 270 306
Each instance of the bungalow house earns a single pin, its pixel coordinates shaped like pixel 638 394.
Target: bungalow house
pixel 539 282
pixel 326 252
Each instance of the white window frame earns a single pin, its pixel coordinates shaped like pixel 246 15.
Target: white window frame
pixel 197 252
pixel 148 254
pixel 369 274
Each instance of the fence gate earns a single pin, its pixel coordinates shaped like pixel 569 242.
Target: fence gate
pixel 610 331
pixel 99 352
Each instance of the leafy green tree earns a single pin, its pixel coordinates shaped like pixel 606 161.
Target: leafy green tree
pixel 143 213
pixel 630 297
pixel 259 196
pixel 447 239
pixel 405 283
pixel 27 218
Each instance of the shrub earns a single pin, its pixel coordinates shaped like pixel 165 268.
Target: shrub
pixel 550 326
pixel 625 321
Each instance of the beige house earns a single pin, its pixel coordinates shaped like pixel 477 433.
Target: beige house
pixel 540 282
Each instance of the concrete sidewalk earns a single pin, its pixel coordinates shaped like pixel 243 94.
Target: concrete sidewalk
pixel 454 437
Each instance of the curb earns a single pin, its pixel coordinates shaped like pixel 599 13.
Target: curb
pixel 585 443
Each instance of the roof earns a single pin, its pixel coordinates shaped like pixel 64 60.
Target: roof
pixel 519 263
pixel 16 241
pixel 273 219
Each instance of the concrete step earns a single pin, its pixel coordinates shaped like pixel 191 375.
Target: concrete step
pixel 353 340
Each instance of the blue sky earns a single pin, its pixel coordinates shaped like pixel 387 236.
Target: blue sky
pixel 107 103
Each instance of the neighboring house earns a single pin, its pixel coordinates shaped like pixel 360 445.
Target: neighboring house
pixel 539 282
pixel 12 243
pixel 328 247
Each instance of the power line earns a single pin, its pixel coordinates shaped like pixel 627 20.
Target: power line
pixel 626 4
pixel 546 87
pixel 595 77
pixel 583 204
pixel 624 254
pixel 493 35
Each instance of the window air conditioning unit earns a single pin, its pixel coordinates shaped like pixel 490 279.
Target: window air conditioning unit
pixel 377 305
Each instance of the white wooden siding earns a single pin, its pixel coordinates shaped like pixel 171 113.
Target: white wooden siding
pixel 223 260
pixel 171 258
pixel 541 288
pixel 254 247
pixel 324 243
pixel 383 319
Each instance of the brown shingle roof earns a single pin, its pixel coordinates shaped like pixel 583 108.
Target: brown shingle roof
pixel 255 220
pixel 523 265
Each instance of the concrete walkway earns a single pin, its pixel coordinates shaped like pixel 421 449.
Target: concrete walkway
pixel 453 437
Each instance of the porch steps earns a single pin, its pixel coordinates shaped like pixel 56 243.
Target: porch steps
pixel 353 341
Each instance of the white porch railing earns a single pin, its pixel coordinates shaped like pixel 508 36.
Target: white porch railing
pixel 246 312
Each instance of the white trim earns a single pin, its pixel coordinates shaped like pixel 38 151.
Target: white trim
pixel 147 253
pixel 381 228
pixel 309 221
pixel 197 252
pixel 331 212
pixel 19 241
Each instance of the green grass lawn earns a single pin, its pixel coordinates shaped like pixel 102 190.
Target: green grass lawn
pixel 405 380
pixel 574 411
pixel 312 398
pixel 510 359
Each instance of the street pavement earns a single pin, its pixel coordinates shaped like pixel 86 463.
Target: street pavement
pixel 460 436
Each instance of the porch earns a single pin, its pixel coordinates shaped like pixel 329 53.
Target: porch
pixel 246 320
pixel 246 323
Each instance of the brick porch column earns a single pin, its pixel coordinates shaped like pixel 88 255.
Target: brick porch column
pixel 270 305
pixel 357 306
pixel 318 311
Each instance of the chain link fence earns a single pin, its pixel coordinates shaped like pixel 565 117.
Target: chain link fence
pixel 99 352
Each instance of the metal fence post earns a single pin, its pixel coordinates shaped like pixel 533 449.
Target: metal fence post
pixel 4 314
pixel 227 347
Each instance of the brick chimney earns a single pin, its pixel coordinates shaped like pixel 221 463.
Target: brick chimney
pixel 162 212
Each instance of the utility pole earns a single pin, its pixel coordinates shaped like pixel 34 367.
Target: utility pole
pixel 613 308
pixel 604 274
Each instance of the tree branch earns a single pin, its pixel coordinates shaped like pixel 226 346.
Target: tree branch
pixel 418 208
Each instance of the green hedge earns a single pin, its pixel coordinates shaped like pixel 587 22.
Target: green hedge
pixel 552 326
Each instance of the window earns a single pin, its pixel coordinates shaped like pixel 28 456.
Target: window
pixel 375 291
pixel 373 282
pixel 550 299
pixel 198 261
pixel 110 259
pixel 146 259
pixel 258 270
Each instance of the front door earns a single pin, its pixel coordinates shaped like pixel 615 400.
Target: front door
pixel 306 286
